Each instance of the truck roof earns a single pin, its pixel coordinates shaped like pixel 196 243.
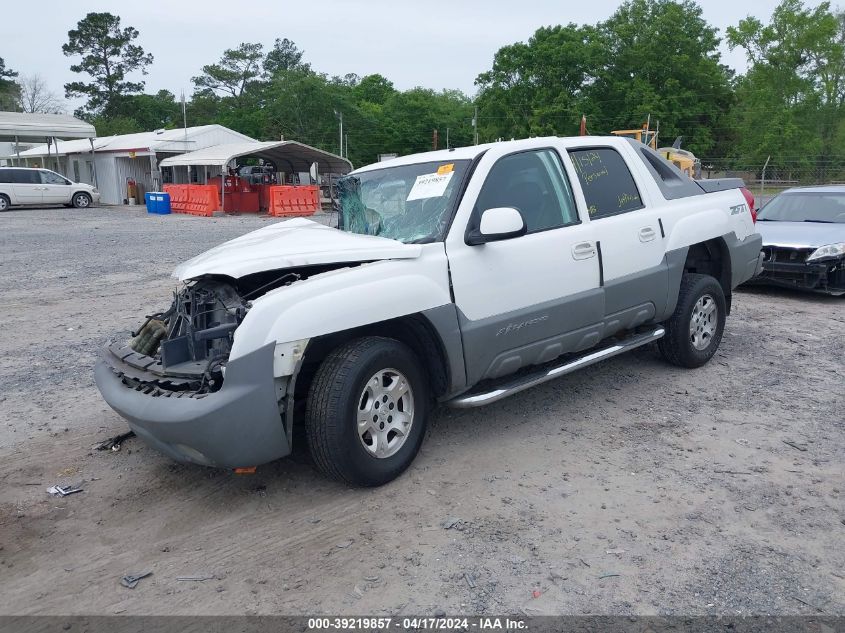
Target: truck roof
pixel 471 151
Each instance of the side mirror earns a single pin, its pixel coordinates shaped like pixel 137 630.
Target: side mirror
pixel 498 223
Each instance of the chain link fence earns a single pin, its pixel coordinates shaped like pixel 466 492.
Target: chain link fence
pixel 769 178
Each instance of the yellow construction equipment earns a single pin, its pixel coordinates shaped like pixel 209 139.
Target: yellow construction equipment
pixel 681 158
pixel 644 136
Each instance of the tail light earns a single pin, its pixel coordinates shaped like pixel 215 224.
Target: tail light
pixel 749 198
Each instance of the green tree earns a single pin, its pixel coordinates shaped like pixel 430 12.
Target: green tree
pixel 373 89
pixel 235 73
pixel 790 102
pixel 9 88
pixel 661 59
pixel 111 125
pixel 657 58
pixel 284 56
pixel 539 87
pixel 410 118
pixel 108 57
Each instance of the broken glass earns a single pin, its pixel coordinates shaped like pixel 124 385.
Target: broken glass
pixel 408 203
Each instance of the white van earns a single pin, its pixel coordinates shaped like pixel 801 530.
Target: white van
pixel 25 185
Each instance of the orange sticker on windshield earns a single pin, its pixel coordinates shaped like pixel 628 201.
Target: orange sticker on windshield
pixel 445 169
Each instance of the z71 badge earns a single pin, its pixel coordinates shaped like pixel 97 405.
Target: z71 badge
pixel 740 208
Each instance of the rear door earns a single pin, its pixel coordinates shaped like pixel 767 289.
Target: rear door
pixel 56 189
pixel 26 186
pixel 630 235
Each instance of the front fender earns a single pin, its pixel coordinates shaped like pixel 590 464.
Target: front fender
pixel 346 298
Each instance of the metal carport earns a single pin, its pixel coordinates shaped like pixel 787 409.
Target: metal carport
pixel 293 154
pixel 296 157
pixel 41 128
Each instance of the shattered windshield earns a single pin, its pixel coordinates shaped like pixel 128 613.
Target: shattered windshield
pixel 410 203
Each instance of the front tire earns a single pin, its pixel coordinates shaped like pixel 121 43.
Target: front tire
pixel 694 330
pixel 367 411
pixel 5 203
pixel 81 200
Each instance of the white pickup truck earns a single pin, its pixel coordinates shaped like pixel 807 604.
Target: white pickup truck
pixel 457 277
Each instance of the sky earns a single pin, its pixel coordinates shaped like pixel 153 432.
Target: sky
pixel 411 42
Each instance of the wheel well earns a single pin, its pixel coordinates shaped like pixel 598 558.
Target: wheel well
pixel 414 330
pixel 712 258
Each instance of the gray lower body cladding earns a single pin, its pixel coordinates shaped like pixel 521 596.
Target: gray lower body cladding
pixel 238 426
pixel 746 257
pixel 500 345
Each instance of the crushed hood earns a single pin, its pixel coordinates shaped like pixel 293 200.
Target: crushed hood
pixel 801 234
pixel 289 244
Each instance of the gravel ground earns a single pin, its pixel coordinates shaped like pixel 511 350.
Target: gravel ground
pixel 631 487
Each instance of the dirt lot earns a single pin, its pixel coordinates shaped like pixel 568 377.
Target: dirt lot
pixel 629 488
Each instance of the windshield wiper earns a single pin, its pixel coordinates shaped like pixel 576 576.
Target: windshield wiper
pixel 820 221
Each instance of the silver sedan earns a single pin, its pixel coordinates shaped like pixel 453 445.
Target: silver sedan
pixel 803 233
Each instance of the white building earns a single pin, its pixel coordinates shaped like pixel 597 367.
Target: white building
pixel 114 160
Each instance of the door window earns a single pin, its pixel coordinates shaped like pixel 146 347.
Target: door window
pixel 52 178
pixel 534 183
pixel 5 175
pixel 25 177
pixel 608 185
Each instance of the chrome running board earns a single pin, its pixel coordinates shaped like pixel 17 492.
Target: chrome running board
pixel 522 383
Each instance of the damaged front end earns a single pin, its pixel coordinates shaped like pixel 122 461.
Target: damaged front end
pixel 189 344
pixel 789 267
pixel 175 384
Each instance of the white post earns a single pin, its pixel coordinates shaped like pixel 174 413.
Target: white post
pixel 93 160
pixel 763 175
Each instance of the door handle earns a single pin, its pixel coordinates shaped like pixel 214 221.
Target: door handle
pixel 647 234
pixel 583 250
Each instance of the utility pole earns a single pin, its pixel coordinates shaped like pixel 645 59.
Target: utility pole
pixel 447 139
pixel 346 145
pixel 475 124
pixel 434 139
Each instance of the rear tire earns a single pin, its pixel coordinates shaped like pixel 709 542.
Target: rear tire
pixel 367 411
pixel 694 330
pixel 81 200
pixel 5 203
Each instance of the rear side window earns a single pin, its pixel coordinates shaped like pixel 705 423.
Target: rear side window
pixel 5 175
pixel 52 178
pixel 608 185
pixel 26 177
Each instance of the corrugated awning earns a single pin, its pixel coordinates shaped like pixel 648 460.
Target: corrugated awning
pixel 26 126
pixel 288 156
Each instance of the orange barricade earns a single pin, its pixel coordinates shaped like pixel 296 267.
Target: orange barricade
pixel 193 199
pixel 292 200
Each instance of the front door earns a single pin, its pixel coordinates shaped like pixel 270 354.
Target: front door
pixel 56 188
pixel 528 299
